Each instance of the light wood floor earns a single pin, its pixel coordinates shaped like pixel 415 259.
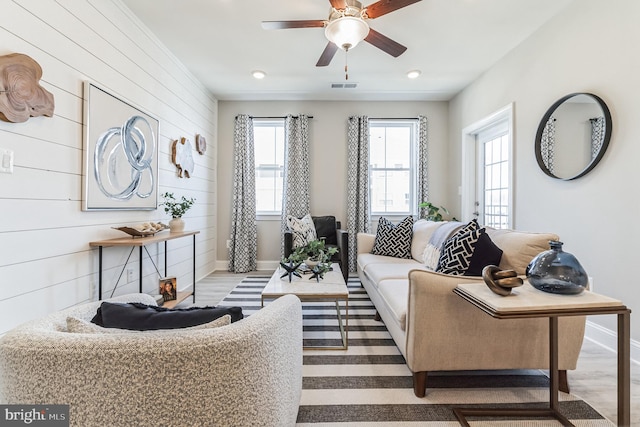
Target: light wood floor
pixel 594 380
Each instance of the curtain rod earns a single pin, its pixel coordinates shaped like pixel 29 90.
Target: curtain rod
pixel 277 117
pixel 393 118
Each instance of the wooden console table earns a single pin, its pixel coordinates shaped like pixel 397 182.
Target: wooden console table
pixel 527 302
pixel 141 242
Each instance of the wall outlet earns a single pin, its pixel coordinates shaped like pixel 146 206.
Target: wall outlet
pixel 228 244
pixel 130 275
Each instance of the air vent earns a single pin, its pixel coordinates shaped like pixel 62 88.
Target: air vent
pixel 344 85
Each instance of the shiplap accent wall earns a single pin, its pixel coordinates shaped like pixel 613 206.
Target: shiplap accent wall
pixel 46 263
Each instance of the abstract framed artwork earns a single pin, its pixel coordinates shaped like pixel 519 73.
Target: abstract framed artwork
pixel 120 154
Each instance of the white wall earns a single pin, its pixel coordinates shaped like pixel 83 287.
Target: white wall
pixel 328 138
pixel 46 263
pixel 588 48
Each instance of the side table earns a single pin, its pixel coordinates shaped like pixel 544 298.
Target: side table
pixel 526 302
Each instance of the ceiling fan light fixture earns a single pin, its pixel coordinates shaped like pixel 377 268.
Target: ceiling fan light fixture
pixel 257 74
pixel 414 74
pixel 346 32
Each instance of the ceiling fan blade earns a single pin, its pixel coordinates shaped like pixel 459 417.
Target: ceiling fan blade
pixel 382 7
pixel 383 42
pixel 327 55
pixel 283 25
pixel 338 4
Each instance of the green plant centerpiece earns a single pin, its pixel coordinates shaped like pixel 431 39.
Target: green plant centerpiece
pixel 316 255
pixel 174 207
pixel 433 212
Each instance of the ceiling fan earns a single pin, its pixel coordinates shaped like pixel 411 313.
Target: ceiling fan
pixel 347 26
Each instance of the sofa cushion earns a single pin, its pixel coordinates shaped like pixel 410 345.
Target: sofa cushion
pixel 519 247
pixel 458 249
pixel 303 230
pixel 393 240
pixel 142 317
pixel 485 253
pixel 81 326
pixel 395 292
pixel 422 232
pixel 396 270
pixel 366 259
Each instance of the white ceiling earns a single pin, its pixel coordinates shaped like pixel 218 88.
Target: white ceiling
pixel 451 41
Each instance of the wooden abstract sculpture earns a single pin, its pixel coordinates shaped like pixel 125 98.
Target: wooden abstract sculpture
pixel 182 157
pixel 500 281
pixel 21 95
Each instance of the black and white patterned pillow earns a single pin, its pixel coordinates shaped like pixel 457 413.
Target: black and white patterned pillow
pixel 393 240
pixel 302 229
pixel 457 251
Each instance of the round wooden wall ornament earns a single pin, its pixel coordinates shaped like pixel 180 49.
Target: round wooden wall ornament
pixel 21 95
pixel 201 144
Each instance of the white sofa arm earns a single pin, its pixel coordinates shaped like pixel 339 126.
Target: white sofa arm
pixel 365 242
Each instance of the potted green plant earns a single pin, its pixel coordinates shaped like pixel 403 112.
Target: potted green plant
pixel 176 208
pixel 315 255
pixel 433 212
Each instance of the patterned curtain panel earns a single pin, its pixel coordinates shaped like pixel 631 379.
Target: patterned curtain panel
pixel 423 185
pixel 244 233
pixel 597 135
pixel 548 142
pixel 358 183
pixel 296 198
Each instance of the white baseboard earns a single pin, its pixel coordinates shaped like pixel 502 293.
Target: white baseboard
pixel 608 339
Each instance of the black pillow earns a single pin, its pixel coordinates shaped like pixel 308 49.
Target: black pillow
pixel 485 253
pixel 142 317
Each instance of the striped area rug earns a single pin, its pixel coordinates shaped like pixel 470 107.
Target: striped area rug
pixel 370 385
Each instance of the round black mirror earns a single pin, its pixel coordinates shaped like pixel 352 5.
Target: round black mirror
pixel 573 136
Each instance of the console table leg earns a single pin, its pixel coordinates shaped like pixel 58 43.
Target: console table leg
pixel 194 268
pixel 140 271
pixel 624 369
pixel 553 363
pixel 99 273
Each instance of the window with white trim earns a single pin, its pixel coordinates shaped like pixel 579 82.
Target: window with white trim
pixel 268 137
pixel 392 167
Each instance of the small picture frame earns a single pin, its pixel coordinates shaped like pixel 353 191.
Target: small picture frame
pixel 168 288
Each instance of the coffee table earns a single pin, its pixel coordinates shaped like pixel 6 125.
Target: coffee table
pixel 528 302
pixel 331 288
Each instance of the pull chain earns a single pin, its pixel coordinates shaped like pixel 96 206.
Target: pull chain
pixel 346 63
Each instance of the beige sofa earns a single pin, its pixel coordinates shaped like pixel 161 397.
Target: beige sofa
pixel 436 330
pixel 248 373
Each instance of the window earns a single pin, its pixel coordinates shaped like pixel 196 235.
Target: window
pixel 268 138
pixel 494 182
pixel 392 153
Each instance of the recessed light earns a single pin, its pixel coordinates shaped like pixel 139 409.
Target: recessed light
pixel 257 74
pixel 413 74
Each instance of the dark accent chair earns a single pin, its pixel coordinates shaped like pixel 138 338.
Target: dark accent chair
pixel 329 229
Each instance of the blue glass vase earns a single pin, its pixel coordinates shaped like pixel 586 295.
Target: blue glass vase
pixel 557 272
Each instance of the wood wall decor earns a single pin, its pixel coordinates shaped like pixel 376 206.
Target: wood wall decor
pixel 21 95
pixel 201 144
pixel 182 157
